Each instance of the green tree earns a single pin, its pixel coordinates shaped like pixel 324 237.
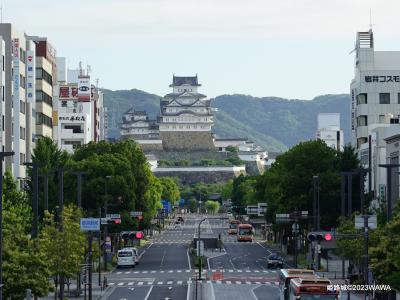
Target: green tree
pixel 64 244
pixel 385 253
pixel 243 193
pixel 170 190
pixel 232 149
pixel 51 158
pixel 24 265
pixel 212 206
pixel 288 185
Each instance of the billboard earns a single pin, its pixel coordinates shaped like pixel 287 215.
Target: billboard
pixel 68 92
pixel 30 76
pixel 84 92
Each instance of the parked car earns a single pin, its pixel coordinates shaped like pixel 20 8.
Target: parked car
pixel 135 253
pixel 274 260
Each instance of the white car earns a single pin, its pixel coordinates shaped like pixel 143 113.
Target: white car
pixel 126 258
pixel 135 253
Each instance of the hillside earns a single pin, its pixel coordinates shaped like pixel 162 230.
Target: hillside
pixel 273 123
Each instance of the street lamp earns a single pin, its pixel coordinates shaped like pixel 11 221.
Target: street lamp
pixel 105 212
pixel 316 208
pixel 2 155
pixel 79 175
pixel 35 194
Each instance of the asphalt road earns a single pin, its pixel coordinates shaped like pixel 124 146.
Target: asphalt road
pixel 164 271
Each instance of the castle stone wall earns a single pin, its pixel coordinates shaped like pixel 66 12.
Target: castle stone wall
pixel 187 141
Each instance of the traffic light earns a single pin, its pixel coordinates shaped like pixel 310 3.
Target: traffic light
pixel 131 235
pixel 319 236
pixel 139 235
pixel 117 221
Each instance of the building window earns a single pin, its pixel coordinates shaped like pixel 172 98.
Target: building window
pixel 75 128
pixel 22 133
pixel 398 98
pixel 21 158
pixel 4 63
pixel 362 98
pixel 362 121
pixel 22 81
pixel 42 74
pixel 2 92
pixel 2 122
pixel 43 119
pixel 384 98
pixel 63 103
pixel 43 97
pixel 22 108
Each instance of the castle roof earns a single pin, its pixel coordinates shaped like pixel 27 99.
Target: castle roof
pixel 181 80
pixel 185 95
pixel 132 111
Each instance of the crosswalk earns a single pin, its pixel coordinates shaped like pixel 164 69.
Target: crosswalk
pixel 184 282
pixel 233 271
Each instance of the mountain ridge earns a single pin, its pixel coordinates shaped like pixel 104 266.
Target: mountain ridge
pixel 274 123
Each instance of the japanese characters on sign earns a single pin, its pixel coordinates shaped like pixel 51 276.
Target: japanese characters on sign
pixel 30 76
pixel 15 47
pixel 68 91
pixel 72 118
pixel 376 78
pixel 84 91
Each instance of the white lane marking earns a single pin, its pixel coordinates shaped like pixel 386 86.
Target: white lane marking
pixel 121 283
pixel 129 272
pixel 256 271
pixel 136 272
pixel 180 282
pixel 228 282
pixel 230 271
pixel 170 271
pixel 111 283
pixel 145 272
pixel 179 271
pixel 219 281
pixel 160 282
pixel 153 272
pixel 162 271
pixel 238 282
pixel 257 282
pixel 130 283
pixel 248 282
pixel 170 282
pixel 119 273
pixel 140 283
pixel 248 271
pixel 240 271
pixel 150 282
pixel 148 293
pixel 187 271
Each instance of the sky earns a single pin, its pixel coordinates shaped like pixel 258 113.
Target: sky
pixel 296 49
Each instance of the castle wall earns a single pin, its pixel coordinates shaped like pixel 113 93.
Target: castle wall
pixel 187 141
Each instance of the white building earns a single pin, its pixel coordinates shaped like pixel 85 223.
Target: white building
pixel 329 130
pixel 15 114
pixel 79 106
pixel 375 89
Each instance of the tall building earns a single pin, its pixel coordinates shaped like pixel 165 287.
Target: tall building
pixel 78 108
pixel 329 130
pixel 186 117
pixel 46 77
pixel 16 114
pixel 137 125
pixel 375 89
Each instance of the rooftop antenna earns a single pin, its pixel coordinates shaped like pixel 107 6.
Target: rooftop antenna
pixel 80 68
pixel 88 69
pixel 370 20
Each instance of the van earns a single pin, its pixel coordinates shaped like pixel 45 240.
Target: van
pixel 126 258
pixel 135 253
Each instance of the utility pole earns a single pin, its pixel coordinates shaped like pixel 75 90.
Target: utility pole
pixel 35 195
pixel 105 215
pixel 90 265
pixel 2 155
pixel 61 207
pixel 79 175
pixel 45 176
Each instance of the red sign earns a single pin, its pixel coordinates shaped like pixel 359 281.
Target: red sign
pixel 64 91
pixel 139 235
pixel 74 92
pixel 30 58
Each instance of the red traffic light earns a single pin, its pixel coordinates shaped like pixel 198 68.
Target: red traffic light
pixel 117 221
pixel 327 237
pixel 139 235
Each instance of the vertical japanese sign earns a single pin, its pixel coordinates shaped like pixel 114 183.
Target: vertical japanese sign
pixel 16 108
pixel 84 88
pixel 30 76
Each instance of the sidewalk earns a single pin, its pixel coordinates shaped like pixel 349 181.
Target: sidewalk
pixel 97 292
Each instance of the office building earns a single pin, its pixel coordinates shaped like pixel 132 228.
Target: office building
pixel 375 89
pixel 329 130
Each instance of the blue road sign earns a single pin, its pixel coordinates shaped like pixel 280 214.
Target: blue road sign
pixel 90 224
